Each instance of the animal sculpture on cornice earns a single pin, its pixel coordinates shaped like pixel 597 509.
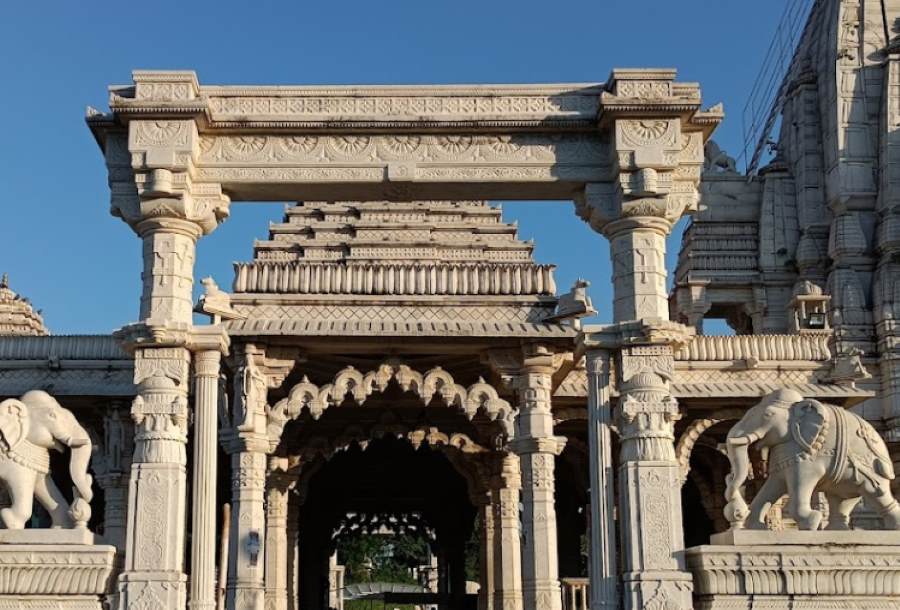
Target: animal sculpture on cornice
pixel 809 447
pixel 30 427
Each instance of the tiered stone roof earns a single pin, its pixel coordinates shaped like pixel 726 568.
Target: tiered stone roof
pixel 379 267
pixel 428 248
pixel 17 317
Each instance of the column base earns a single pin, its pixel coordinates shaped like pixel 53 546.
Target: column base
pixel 663 590
pixel 245 598
pixel 152 590
pixel 542 596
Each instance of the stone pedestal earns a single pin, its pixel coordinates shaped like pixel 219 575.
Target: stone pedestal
pixel 36 573
pixel 746 569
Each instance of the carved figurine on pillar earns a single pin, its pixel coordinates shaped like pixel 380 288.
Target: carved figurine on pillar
pixel 247 443
pixel 112 465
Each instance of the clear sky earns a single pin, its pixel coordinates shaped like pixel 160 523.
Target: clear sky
pixel 82 267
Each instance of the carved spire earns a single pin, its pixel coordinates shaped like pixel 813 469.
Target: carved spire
pixel 17 317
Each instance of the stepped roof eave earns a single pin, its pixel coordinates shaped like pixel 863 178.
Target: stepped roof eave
pixel 61 347
pixel 445 330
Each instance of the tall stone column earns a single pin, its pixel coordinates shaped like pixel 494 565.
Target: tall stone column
pixel 277 544
pixel 505 487
pixel 209 344
pixel 649 509
pixel 650 492
pixel 248 445
pixel 537 449
pixel 153 573
pixel 151 167
pixel 246 540
pixel 659 157
pixel 604 573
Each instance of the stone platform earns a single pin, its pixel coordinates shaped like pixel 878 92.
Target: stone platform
pixel 746 570
pixel 53 569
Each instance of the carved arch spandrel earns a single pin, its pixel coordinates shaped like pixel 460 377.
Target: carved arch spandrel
pixel 694 431
pixel 351 383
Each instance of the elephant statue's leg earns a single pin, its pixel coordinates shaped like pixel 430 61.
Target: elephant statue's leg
pixel 21 492
pixel 772 489
pixel 839 510
pixel 888 507
pixel 48 494
pixel 801 485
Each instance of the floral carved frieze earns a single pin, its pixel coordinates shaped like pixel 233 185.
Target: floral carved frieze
pixel 357 386
pixel 571 149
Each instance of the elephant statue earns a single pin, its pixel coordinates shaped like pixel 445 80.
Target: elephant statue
pixel 809 447
pixel 29 427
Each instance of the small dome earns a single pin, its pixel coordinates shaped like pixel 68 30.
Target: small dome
pixel 17 317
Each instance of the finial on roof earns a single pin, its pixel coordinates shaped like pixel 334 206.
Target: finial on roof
pixel 17 317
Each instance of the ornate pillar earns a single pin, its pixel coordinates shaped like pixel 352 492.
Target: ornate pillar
pixel 111 464
pixel 659 158
pixel 507 534
pixel 209 344
pixel 603 567
pixel 151 165
pixel 649 510
pixel 537 449
pixel 650 491
pixel 248 445
pixel 277 544
pixel 246 584
pixel 153 573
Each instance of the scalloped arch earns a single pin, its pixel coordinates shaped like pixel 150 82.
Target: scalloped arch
pixel 359 386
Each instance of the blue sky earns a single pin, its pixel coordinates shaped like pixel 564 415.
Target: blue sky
pixel 81 266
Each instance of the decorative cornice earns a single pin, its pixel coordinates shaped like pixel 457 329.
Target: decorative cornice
pixel 410 278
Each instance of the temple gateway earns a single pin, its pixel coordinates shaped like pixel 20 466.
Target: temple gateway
pixel 393 362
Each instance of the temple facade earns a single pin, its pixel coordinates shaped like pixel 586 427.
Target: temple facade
pixel 393 359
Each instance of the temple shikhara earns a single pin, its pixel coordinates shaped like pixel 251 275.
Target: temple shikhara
pixel 391 361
